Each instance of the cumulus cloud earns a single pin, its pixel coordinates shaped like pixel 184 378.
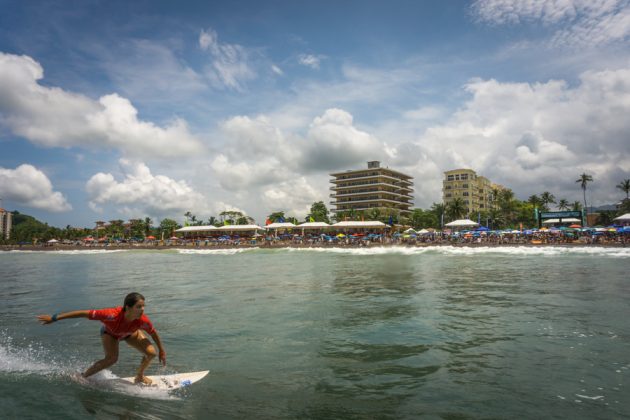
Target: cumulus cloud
pixel 294 196
pixel 334 142
pixel 230 65
pixel 141 192
pixel 578 22
pixel 537 136
pixel 52 117
pixel 29 186
pixel 258 153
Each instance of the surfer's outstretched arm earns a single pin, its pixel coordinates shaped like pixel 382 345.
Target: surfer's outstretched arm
pixel 48 319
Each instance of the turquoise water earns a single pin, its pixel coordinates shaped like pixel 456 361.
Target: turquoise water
pixel 359 333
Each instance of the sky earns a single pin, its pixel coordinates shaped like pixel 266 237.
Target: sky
pixel 119 110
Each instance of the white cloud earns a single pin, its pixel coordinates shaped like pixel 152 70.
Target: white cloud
pixel 142 193
pixel 534 137
pixel 578 22
pixel 29 186
pixel 52 117
pixel 310 60
pixel 230 62
pixel 334 143
pixel 277 70
pixel 294 196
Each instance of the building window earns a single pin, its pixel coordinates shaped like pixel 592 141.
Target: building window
pixel 465 185
pixel 465 193
pixel 451 178
pixel 456 177
pixel 449 195
pixel 464 177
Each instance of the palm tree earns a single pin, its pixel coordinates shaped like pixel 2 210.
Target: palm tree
pixel 147 226
pixel 576 206
pixel 563 204
pixel 584 180
pixel 456 208
pixel 534 200
pixel 547 198
pixel 625 187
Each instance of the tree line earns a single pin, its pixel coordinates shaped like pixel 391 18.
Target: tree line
pixel 507 212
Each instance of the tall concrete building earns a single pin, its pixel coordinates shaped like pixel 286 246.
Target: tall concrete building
pixel 371 188
pixel 6 222
pixel 474 190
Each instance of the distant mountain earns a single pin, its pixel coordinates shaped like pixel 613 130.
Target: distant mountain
pixel 605 207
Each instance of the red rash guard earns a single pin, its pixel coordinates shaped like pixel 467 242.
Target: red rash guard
pixel 117 326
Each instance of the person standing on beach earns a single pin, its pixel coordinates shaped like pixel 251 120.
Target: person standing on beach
pixel 128 323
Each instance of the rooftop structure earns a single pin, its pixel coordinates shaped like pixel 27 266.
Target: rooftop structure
pixel 371 188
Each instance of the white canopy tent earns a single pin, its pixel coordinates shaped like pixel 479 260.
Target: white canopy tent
pixel 567 220
pixel 238 228
pixel 53 241
pixel 197 229
pixel 462 223
pixel 623 218
pixel 360 225
pixel 283 225
pixel 313 225
pixel 410 230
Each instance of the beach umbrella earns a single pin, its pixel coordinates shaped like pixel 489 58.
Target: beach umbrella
pixel 173 238
pixel 53 241
pixel 151 237
pixel 575 226
pixel 482 229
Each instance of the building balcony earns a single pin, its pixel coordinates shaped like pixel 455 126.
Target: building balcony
pixel 368 176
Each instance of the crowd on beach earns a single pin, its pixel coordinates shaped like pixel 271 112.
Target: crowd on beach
pixel 611 236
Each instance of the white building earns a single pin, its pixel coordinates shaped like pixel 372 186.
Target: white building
pixel 371 188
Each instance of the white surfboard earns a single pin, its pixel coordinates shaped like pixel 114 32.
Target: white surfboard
pixel 170 382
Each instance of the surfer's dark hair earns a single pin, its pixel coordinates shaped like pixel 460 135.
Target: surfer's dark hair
pixel 131 299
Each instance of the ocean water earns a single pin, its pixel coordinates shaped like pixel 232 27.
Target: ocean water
pixel 441 332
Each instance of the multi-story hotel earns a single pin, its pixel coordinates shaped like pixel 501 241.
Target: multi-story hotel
pixel 6 218
pixel 475 191
pixel 371 188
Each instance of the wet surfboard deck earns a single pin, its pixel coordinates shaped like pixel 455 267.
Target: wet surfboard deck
pixel 168 382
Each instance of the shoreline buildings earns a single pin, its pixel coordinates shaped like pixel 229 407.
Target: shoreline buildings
pixel 477 192
pixel 371 188
pixel 6 222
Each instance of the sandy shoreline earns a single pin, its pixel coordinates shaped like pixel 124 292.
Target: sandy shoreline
pixel 46 248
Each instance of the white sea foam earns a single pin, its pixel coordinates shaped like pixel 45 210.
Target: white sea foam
pixel 25 359
pixel 67 252
pixel 224 251
pixel 472 251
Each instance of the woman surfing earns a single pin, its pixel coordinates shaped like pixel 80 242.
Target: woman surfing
pixel 128 323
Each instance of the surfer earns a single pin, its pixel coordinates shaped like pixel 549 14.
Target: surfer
pixel 128 323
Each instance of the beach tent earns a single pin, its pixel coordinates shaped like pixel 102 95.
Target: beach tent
pixel 53 241
pixel 235 228
pixel 623 218
pixel 284 225
pixel 567 220
pixel 197 229
pixel 366 225
pixel 410 230
pixel 462 223
pixel 313 225
pixel 423 231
